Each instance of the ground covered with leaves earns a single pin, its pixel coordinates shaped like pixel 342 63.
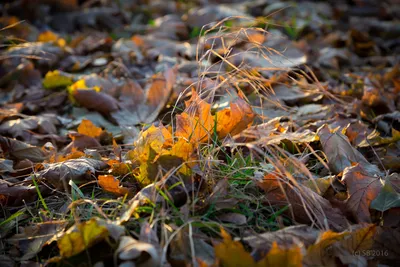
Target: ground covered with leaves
pixel 199 133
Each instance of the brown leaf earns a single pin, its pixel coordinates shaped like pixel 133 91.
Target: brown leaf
pixel 140 105
pixel 59 174
pixel 80 142
pixel 298 235
pixel 16 195
pixel 362 187
pixel 304 202
pixel 345 246
pixel 339 151
pixel 14 149
pixel 93 100
pixel 33 238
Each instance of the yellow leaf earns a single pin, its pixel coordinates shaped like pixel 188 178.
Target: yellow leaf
pixel 320 253
pixel 47 36
pixel 80 84
pixel 276 256
pixel 359 240
pixel 319 185
pixel 110 184
pixel 231 253
pixel 79 238
pixel 88 128
pixel 54 79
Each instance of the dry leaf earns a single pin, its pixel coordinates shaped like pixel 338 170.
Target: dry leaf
pixel 339 151
pixel 88 128
pixel 362 187
pixel 110 184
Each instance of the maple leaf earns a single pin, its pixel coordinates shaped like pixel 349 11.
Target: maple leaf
pixel 342 245
pixel 236 119
pixel 195 124
pixel 291 257
pixel 82 236
pixel 301 199
pixel 88 128
pixel 110 184
pixel 362 188
pixel 388 197
pixel 232 253
pixel 339 151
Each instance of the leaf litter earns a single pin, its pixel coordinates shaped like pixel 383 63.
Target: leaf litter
pixel 259 133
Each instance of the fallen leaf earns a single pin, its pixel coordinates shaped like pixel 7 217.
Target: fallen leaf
pixel 130 250
pixel 236 119
pixel 81 142
pixel 33 238
pixel 362 187
pixel 320 185
pixel 82 236
pixel 59 174
pixel 320 253
pixel 302 200
pixel 232 253
pixel 195 124
pixel 277 256
pixel 287 237
pixel 339 151
pixel 93 100
pixel 19 127
pixel 14 149
pixel 110 184
pixel 387 198
pixel 54 79
pixel 16 195
pixel 88 128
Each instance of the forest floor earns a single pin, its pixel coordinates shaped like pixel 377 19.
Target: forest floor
pixel 199 133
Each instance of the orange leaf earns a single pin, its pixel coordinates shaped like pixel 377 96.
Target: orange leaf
pixel 111 184
pixel 276 256
pixel 236 119
pixel 88 128
pixel 232 253
pixel 195 124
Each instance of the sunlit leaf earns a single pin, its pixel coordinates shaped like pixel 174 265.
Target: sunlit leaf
pixel 81 237
pixel 88 128
pixel 232 253
pixel 196 123
pixel 277 256
pixel 54 79
pixel 235 119
pixel 110 184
